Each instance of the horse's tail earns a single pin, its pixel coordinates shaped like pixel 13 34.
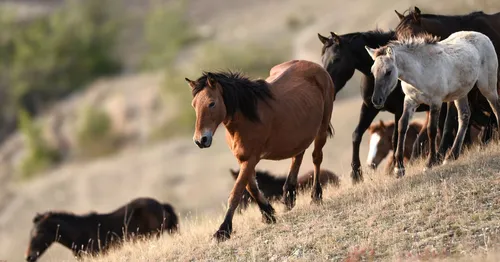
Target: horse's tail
pixel 171 221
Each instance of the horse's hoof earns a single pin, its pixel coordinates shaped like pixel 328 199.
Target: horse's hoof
pixel 222 235
pixel 357 176
pixel 316 201
pixel 289 198
pixel 268 218
pixel 317 196
pixel 445 162
pixel 399 172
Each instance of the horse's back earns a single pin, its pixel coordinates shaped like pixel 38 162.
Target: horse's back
pixel 296 70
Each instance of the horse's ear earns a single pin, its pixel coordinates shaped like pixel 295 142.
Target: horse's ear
pixel 211 82
pixel 323 39
pixel 417 11
pixel 416 15
pixel 37 217
pixel 335 38
pixel 234 173
pixel 191 83
pixel 382 125
pixel 371 52
pixel 400 16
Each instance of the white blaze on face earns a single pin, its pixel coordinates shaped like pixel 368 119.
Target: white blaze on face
pixel 374 140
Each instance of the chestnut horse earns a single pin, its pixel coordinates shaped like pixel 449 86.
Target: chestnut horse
pixel 275 119
pixel 96 233
pixel 381 144
pixel 272 186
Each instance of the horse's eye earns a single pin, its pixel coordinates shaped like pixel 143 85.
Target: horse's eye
pixel 211 105
pixel 388 73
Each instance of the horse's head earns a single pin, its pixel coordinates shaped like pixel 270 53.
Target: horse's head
pixel 337 59
pixel 409 24
pixel 42 235
pixel 385 71
pixel 380 144
pixel 209 106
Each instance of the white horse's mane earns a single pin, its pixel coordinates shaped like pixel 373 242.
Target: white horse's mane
pixel 415 41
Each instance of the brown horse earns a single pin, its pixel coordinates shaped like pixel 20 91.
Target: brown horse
pixel 273 119
pixel 272 186
pixel 381 142
pixel 96 233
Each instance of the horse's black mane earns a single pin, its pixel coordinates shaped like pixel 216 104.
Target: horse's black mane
pixel 239 92
pixel 372 38
pixel 62 215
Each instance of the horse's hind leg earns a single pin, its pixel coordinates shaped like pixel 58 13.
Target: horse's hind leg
pixel 463 122
pixel 319 143
pixel 264 205
pixel 290 186
pixel 489 89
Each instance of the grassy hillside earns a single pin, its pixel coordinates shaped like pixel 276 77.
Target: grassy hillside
pixel 450 212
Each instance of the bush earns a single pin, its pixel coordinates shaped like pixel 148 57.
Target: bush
pixel 95 136
pixel 49 57
pixel 166 32
pixel 39 156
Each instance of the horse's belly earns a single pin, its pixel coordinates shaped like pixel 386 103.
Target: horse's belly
pixel 279 150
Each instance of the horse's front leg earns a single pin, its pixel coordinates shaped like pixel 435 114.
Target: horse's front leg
pixel 290 186
pixel 397 116
pixel 432 127
pixel 410 106
pixel 367 114
pixel 247 170
pixel 463 123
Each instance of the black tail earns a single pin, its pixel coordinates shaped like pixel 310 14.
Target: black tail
pixel 171 223
pixel 330 130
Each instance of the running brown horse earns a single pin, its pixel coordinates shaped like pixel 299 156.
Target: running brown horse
pixel 416 23
pixel 94 233
pixel 275 119
pixel 272 185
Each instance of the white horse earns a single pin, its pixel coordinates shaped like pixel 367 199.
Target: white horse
pixel 432 72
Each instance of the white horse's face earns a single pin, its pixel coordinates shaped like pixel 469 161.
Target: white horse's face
pixel 386 74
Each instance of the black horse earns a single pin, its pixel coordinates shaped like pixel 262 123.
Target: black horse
pixel 95 233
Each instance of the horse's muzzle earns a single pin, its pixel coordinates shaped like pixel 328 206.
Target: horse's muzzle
pixel 204 142
pixel 31 258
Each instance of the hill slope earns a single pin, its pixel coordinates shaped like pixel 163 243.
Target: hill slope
pixel 447 212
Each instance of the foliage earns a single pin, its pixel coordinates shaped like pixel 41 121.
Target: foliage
pixel 39 156
pixel 95 136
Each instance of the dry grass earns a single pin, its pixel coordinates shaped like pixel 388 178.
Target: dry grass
pixel 451 213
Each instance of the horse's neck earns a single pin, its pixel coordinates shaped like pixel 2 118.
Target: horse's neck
pixel 69 232
pixel 409 66
pixel 373 40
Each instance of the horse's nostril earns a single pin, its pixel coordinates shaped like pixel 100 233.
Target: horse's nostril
pixel 203 139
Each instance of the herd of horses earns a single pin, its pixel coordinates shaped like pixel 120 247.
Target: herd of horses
pixel 444 65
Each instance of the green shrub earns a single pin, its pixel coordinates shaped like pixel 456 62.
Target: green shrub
pixel 167 31
pixel 39 156
pixel 48 57
pixel 95 136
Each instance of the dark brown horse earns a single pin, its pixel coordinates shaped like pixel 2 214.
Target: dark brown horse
pixel 415 23
pixel 272 186
pixel 96 233
pixel 275 119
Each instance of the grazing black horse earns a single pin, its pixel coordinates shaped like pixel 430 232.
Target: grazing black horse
pixel 341 56
pixel 95 233
pixel 272 186
pixel 416 23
